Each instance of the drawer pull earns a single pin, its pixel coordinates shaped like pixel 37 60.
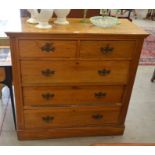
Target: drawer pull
pixel 104 72
pixel 47 72
pixel 107 49
pixel 97 116
pixel 100 94
pixel 48 47
pixel 48 96
pixel 47 119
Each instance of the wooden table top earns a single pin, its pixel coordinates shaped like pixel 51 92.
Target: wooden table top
pixel 18 25
pixel 77 27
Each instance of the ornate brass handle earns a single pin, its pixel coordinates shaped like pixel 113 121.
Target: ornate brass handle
pixel 107 49
pixel 97 116
pixel 100 94
pixel 47 119
pixel 47 72
pixel 48 47
pixel 104 72
pixel 48 96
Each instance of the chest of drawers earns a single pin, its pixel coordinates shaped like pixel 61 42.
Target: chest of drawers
pixel 74 80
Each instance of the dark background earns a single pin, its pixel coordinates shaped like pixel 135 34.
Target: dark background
pixel 75 13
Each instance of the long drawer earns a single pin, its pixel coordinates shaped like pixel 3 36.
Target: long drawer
pixel 34 72
pixel 70 117
pixel 44 96
pixel 47 48
pixel 107 49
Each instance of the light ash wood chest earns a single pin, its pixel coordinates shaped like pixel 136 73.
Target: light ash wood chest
pixel 74 80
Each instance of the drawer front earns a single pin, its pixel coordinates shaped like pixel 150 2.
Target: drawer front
pixel 44 96
pixel 107 49
pixel 74 71
pixel 47 48
pixel 70 117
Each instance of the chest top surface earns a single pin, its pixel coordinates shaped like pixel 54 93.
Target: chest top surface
pixel 77 27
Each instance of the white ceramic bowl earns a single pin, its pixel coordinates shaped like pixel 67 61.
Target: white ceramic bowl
pixel 104 22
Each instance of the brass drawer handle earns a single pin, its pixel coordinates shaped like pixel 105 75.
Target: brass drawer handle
pixel 100 94
pixel 97 116
pixel 107 49
pixel 48 96
pixel 48 47
pixel 47 72
pixel 47 119
pixel 104 72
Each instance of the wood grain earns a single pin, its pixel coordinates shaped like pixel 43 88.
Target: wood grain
pixel 70 132
pixel 42 96
pixel 74 71
pixel 120 49
pixel 71 117
pixel 2 74
pixel 17 84
pixel 33 48
pixel 77 27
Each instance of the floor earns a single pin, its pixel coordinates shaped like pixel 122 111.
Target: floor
pixel 140 122
pixel 144 23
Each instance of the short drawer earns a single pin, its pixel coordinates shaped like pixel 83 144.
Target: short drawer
pixel 107 49
pixel 36 72
pixel 47 48
pixel 70 117
pixel 45 96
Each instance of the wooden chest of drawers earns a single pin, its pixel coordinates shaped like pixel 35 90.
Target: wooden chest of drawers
pixel 74 80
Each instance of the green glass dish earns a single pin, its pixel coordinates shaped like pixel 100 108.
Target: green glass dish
pixel 104 21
